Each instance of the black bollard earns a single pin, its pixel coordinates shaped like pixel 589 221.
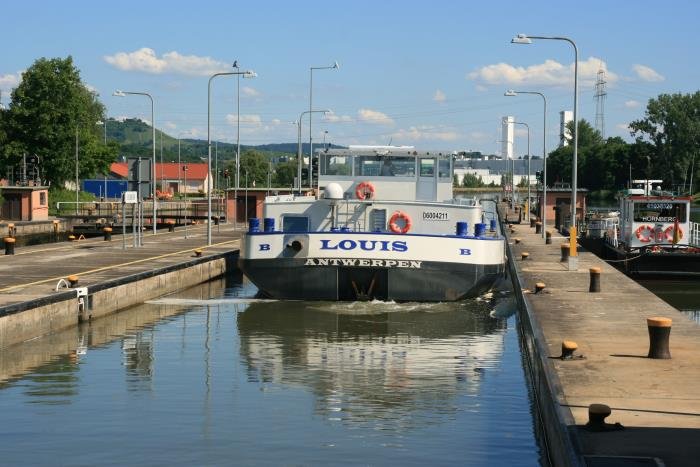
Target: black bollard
pixel 548 237
pixel 171 226
pixel 107 233
pixel 532 221
pixel 9 245
pixel 538 227
pixel 659 336
pixel 595 279
pixel 565 247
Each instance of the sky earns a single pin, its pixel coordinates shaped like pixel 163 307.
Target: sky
pixel 427 74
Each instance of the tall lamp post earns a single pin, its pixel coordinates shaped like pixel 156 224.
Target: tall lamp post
pixel 179 166
pixel 335 66
pixel 77 198
pixel 528 165
pixel 225 73
pixel 119 93
pixel 511 93
pixel 299 157
pixel 526 39
pixel 104 124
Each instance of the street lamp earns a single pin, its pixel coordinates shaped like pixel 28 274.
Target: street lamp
pixel 528 165
pixel 335 66
pixel 249 74
pixel 77 199
pixel 104 124
pixel 299 164
pixel 119 93
pixel 525 39
pixel 179 166
pixel 511 93
pixel 225 73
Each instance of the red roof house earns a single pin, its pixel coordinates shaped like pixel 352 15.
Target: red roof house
pixel 172 177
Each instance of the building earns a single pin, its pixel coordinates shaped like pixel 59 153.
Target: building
pixel 24 203
pixel 171 177
pixel 565 116
pixel 492 170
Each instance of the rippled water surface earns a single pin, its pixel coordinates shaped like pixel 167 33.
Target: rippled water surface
pixel 197 382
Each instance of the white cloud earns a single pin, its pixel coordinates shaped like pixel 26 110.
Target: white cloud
pixel 439 96
pixel 250 120
pixel 551 73
pixel 374 116
pixel 250 92
pixel 481 88
pixel 519 131
pixel 170 125
pixel 92 89
pixel 276 121
pixel 423 133
pixel 479 136
pixel 646 73
pixel 10 81
pixel 332 117
pixel 623 126
pixel 632 104
pixel 146 60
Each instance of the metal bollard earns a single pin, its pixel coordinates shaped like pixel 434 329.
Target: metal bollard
pixel 597 413
pixel 538 227
pixel 548 237
pixel 72 280
pixel 539 287
pixel 171 226
pixel 11 230
pixel 197 253
pixel 524 255
pixel 516 240
pixel 71 238
pixel 532 221
pixel 216 220
pixel 659 336
pixel 567 350
pixel 565 247
pixel 107 233
pixel 595 279
pixel 9 245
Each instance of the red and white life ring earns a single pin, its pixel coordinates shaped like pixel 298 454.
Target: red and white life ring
pixel 364 190
pixel 407 222
pixel 669 233
pixel 640 233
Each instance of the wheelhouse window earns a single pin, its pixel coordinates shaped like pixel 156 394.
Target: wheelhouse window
pixel 385 166
pixel 427 167
pixel 295 224
pixel 336 165
pixel 659 211
pixel 444 169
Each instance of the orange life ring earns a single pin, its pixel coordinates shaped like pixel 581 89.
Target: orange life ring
pixel 407 222
pixel 364 190
pixel 669 233
pixel 645 238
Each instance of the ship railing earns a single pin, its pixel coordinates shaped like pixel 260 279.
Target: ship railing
pixel 694 234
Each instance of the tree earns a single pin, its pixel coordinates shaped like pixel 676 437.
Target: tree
pixel 50 105
pixel 255 164
pixel 671 124
pixel 285 173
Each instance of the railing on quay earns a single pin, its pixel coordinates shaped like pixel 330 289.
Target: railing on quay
pixel 112 211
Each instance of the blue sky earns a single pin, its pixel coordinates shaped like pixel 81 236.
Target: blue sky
pixel 429 74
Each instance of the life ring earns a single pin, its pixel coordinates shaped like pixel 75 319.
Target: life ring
pixel 640 235
pixel 364 190
pixel 407 222
pixel 669 233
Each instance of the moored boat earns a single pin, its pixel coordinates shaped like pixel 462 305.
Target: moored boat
pixel 381 224
pixel 654 234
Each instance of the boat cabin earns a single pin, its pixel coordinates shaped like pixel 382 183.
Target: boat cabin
pixel 396 172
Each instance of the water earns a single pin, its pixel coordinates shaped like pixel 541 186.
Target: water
pixel 270 383
pixel 683 294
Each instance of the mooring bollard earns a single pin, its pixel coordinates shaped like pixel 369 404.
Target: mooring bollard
pixel 524 255
pixel 567 349
pixel 516 240
pixel 71 238
pixel 9 245
pixel 56 226
pixel 597 413
pixel 216 220
pixel 548 237
pixel 565 252
pixel 595 279
pixel 171 226
pixel 538 227
pixel 198 253
pixel 72 280
pixel 11 230
pixel 659 336
pixel 539 287
pixel 107 233
pixel 532 221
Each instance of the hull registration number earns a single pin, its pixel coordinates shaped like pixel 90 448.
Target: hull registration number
pixel 436 216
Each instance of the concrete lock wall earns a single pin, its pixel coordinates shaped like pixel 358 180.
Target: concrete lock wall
pixel 27 320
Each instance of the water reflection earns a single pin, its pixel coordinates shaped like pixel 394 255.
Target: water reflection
pixel 397 364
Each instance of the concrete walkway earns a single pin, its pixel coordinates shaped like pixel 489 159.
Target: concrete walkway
pixel 33 272
pixel 657 401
